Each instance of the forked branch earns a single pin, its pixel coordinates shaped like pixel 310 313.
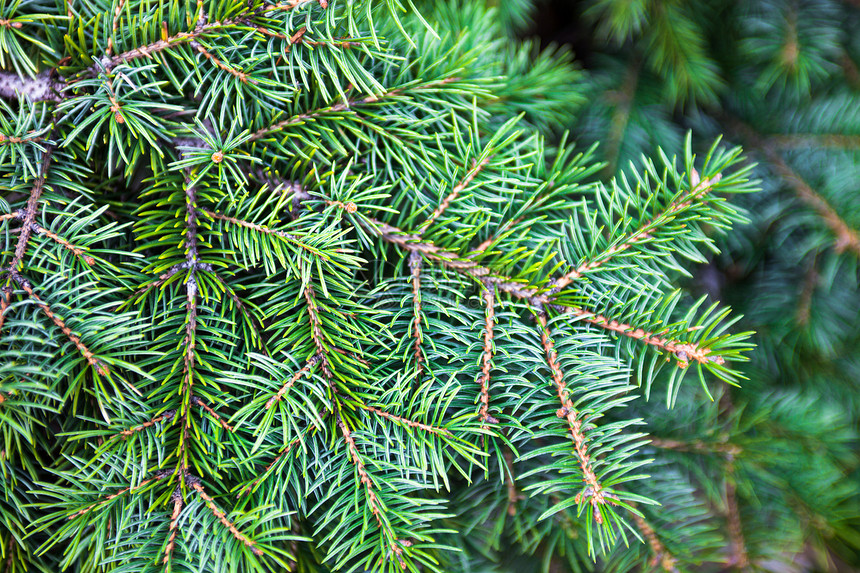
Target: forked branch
pixel 535 297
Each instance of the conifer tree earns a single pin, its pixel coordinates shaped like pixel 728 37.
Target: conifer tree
pixel 781 78
pixel 317 285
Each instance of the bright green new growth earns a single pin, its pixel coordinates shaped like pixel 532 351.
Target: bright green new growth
pixel 295 286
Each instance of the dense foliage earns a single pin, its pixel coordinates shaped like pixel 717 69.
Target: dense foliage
pixel 322 285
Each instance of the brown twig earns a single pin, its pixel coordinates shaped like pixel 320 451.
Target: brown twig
pixel 415 266
pixel 169 414
pixel 685 351
pixel 5 298
pixel 343 106
pixel 240 75
pixel 161 45
pixel 316 331
pixel 295 378
pixel 176 498
pixel 159 475
pixel 8 139
pixel 738 556
pixel 513 495
pixel 196 401
pixel 697 446
pixel 404 421
pixel 594 492
pixel 660 554
pixel 265 471
pixel 255 227
pixel 99 366
pixel 487 359
pixel 623 100
pixel 299 38
pixel 31 209
pixel 372 501
pixel 452 196
pixel 77 251
pixel 115 25
pixel 194 483
pixel 847 238
pixel 645 231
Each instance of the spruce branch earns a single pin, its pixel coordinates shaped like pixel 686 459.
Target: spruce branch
pixel 168 415
pixel 262 229
pixel 487 359
pixel 847 238
pixel 373 502
pixel 452 196
pixel 157 476
pixel 316 331
pixel 196 401
pixel 40 88
pixel 32 209
pixel 660 555
pixel 91 358
pixel 415 266
pixel 535 297
pixel 645 231
pixel 697 446
pixel 305 370
pixel 195 483
pixel 173 528
pixel 346 107
pixel 594 492
pixel 404 421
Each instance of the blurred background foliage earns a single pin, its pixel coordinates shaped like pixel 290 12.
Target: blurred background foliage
pixel 782 79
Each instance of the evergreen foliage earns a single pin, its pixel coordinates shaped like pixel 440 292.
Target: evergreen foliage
pixel 786 87
pixel 304 287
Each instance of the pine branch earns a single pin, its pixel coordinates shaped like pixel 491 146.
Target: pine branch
pixel 684 351
pixel 39 230
pixel 306 369
pixel 847 238
pixel 643 232
pixel 343 106
pixel 415 266
pixel 452 196
pixel 594 492
pixel 660 554
pixel 487 359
